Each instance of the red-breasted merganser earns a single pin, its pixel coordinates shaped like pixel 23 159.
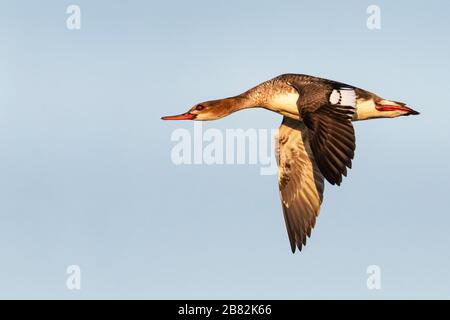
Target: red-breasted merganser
pixel 316 139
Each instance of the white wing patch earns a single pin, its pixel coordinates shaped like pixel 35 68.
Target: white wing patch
pixel 343 96
pixel 335 96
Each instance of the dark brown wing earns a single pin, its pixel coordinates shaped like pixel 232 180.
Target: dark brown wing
pixel 327 109
pixel 316 92
pixel 300 180
pixel 332 140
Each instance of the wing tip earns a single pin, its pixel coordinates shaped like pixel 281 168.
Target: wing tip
pixel 295 247
pixel 300 242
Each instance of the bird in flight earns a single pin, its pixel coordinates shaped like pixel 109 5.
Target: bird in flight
pixel 316 139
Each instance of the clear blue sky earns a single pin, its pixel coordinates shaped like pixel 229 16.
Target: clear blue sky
pixel 86 175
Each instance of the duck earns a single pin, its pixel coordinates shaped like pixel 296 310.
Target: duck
pixel 315 141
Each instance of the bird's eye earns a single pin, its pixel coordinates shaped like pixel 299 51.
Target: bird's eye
pixel 199 107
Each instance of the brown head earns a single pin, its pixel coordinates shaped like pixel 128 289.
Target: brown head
pixel 212 110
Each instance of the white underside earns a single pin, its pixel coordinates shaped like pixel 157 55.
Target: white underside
pixel 365 109
pixel 286 104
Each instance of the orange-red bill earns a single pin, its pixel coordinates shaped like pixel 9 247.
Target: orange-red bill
pixel 184 116
pixel 386 107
